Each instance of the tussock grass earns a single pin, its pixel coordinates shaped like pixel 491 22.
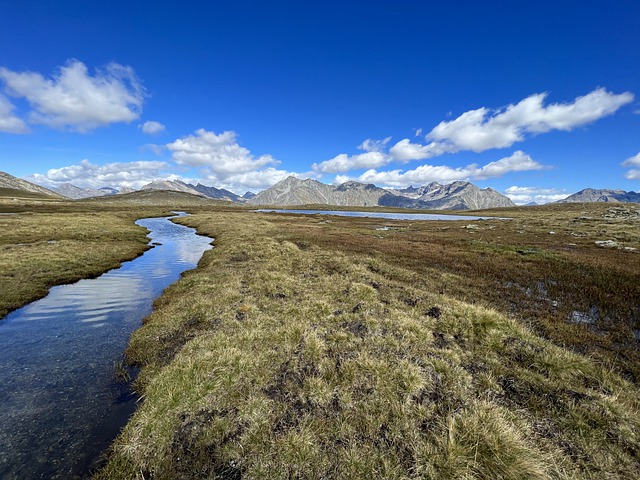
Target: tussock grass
pixel 300 350
pixel 519 268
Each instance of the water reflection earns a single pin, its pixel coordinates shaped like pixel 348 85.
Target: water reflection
pixel 61 404
pixel 387 215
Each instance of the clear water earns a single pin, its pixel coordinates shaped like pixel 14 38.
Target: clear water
pixel 387 216
pixel 61 404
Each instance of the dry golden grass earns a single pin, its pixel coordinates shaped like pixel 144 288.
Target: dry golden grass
pixel 310 347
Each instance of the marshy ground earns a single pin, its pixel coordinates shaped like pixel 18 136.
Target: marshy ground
pixel 326 347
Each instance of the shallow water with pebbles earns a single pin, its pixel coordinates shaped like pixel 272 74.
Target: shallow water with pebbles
pixel 61 401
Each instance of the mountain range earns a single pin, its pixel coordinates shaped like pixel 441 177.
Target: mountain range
pixel 69 190
pixel 14 183
pixel 454 196
pixel 199 189
pixel 293 191
pixel 602 195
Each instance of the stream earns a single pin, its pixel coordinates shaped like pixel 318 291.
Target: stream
pixel 61 401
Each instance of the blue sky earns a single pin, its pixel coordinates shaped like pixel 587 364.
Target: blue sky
pixel 535 99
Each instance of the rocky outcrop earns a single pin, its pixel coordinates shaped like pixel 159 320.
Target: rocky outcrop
pixel 455 196
pixel 602 195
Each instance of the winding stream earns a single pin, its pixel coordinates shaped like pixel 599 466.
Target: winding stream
pixel 61 404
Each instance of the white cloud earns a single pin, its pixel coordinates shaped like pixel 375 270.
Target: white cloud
pixel 74 99
pixel 371 145
pixel 418 176
pixel 344 163
pixel 483 129
pixel 524 195
pixel 255 181
pixel 373 157
pixel 633 174
pixel 220 154
pixel 340 179
pixel 632 161
pixel 155 148
pixel 222 162
pixel 89 175
pixel 517 162
pixel 9 123
pixel 151 127
pixel 404 151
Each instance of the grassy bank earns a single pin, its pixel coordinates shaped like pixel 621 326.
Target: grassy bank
pixel 306 347
pixel 61 243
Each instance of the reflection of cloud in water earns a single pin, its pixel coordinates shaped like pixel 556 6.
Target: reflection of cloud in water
pixel 191 252
pixel 57 356
pixel 99 318
pixel 90 300
pixel 161 271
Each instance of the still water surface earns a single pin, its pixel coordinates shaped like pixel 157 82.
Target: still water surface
pixel 387 215
pixel 60 402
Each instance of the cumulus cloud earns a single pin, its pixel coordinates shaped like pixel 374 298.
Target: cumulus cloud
pixel 632 161
pixel 418 176
pixel 345 163
pixel 73 98
pixel 155 148
pixel 634 173
pixel 373 157
pixel 151 127
pixel 405 151
pixel 517 162
pixel 483 129
pixel 254 181
pixel 225 163
pixel 9 122
pixel 89 175
pixel 371 145
pixel 219 154
pixel 525 195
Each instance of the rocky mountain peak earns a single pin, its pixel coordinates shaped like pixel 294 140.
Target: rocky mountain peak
pixel 457 195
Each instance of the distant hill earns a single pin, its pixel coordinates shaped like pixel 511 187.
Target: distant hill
pixel 71 191
pixel 199 189
pixel 172 185
pixel 602 195
pixel 217 193
pixel 455 196
pixel 164 198
pixel 10 183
